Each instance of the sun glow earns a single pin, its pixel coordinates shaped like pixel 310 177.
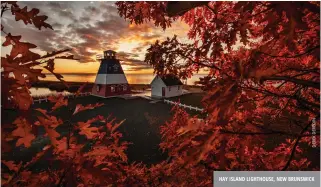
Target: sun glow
pixel 128 46
pixel 125 67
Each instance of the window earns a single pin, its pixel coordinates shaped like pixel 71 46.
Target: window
pixel 112 89
pixel 177 87
pixel 124 87
pixel 98 87
pixel 169 88
pixel 115 67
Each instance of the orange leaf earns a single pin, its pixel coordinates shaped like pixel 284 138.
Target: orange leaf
pixel 23 130
pixel 26 140
pixel 80 108
pixel 230 156
pixel 59 101
pixel 11 165
pixel 85 129
pixel 89 132
pixel 49 126
pixel 117 125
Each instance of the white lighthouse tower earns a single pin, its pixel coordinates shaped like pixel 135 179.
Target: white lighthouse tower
pixel 110 79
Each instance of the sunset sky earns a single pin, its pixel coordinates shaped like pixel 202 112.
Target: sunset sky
pixel 89 28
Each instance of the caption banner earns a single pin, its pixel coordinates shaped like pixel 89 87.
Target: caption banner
pixel 266 178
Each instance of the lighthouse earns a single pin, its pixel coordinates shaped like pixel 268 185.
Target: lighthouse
pixel 110 79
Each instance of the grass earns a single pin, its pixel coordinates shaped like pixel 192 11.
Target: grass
pixel 193 99
pixel 141 127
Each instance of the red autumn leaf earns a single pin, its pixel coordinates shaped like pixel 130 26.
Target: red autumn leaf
pixel 121 153
pixel 50 65
pixel 30 17
pixel 11 165
pixel 11 40
pixel 23 99
pixel 58 100
pixel 22 14
pixel 61 145
pixel 53 135
pixel 117 125
pixel 23 131
pixel 109 124
pixel 259 73
pixel 236 105
pixel 230 156
pixel 50 124
pixel 20 48
pixel 85 129
pixel 192 125
pixel 43 111
pixel 80 108
pixel 26 140
pixel 25 174
pixel 50 121
pixel 39 21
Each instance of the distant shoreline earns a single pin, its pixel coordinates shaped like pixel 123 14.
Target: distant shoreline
pixel 96 73
pixel 74 86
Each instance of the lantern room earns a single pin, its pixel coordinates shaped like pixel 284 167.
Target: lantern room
pixel 109 54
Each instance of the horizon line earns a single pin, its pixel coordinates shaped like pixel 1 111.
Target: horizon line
pixel 96 73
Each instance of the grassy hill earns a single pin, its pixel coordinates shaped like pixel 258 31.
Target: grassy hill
pixel 141 127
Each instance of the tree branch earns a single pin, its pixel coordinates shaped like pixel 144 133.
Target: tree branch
pixel 295 56
pixel 306 83
pixel 4 8
pixel 295 145
pixel 285 96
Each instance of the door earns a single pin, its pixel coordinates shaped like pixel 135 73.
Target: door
pixel 163 91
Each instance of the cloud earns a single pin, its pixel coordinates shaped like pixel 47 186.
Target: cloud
pixel 63 9
pixel 138 68
pixel 57 25
pixel 89 28
pixel 89 13
pixel 130 58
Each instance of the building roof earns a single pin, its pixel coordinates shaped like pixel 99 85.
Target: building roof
pixel 110 51
pixel 171 80
pixel 110 66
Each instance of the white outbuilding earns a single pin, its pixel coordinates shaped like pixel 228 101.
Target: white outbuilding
pixel 166 86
